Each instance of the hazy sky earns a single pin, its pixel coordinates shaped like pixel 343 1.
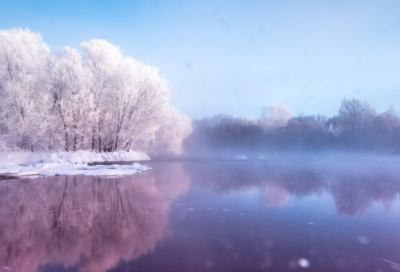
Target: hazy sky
pixel 234 57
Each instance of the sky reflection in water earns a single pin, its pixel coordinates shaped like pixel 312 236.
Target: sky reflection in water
pixel 205 217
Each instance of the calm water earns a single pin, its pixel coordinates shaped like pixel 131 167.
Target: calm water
pixel 205 217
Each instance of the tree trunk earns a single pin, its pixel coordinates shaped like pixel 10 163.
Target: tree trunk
pixel 116 143
pixel 66 140
pixel 99 144
pixel 23 145
pixel 93 141
pixel 75 142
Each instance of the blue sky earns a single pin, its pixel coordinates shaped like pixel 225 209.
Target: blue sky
pixel 234 57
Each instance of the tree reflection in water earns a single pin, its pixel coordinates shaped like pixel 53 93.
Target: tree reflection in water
pixel 353 188
pixel 93 223
pixel 90 222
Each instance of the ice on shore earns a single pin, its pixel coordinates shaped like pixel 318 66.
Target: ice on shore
pixel 69 163
pixel 81 156
pixel 69 169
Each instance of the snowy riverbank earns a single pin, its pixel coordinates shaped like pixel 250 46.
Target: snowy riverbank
pixel 34 164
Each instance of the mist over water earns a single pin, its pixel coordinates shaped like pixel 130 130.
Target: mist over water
pixel 215 216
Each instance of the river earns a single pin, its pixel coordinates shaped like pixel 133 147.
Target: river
pixel 205 216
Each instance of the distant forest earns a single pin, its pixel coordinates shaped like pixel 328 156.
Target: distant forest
pixel 358 127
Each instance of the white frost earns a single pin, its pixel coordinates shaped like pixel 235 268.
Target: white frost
pixel 69 163
pixel 82 156
pixel 69 169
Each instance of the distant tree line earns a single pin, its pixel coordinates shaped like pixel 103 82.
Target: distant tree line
pixel 95 99
pixel 277 183
pixel 356 127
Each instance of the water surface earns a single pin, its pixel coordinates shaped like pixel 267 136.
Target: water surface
pixel 221 216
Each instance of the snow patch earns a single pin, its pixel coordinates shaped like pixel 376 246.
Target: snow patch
pixel 32 164
pixel 69 169
pixel 81 156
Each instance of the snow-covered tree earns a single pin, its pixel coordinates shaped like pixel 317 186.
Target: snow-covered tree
pixel 274 116
pixel 368 115
pixel 140 105
pixel 102 59
pixel 175 128
pixel 351 114
pixel 24 99
pixel 99 100
pixel 72 100
pixel 130 98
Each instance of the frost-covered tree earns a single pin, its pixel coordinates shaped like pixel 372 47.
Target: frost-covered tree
pixel 304 131
pixel 274 116
pixel 392 117
pixel 72 100
pixel 175 128
pixel 392 121
pixel 142 103
pixel 130 98
pixel 99 100
pixel 24 97
pixel 351 115
pixel 368 115
pixel 102 59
